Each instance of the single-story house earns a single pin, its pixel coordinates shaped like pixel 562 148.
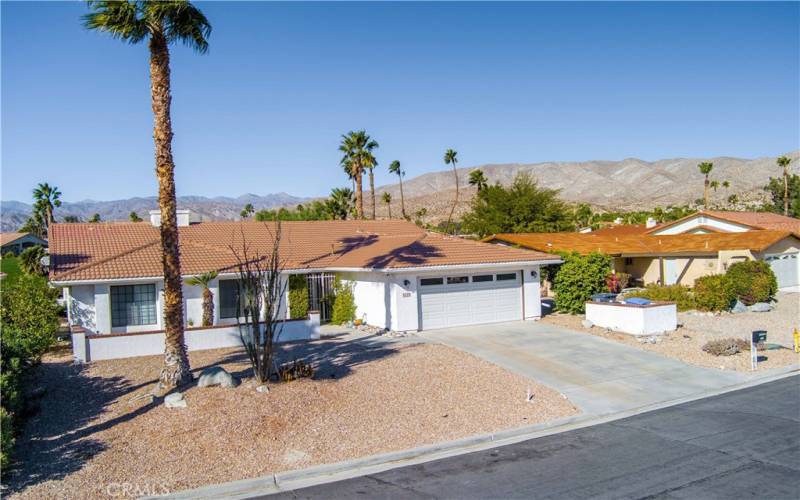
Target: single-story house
pixel 704 243
pixel 16 243
pixel 404 278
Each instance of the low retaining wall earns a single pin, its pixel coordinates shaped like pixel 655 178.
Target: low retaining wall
pixel 658 317
pixel 98 346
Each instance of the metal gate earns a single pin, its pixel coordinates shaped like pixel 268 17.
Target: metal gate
pixel 320 294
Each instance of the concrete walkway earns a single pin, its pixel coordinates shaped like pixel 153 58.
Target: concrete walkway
pixel 598 375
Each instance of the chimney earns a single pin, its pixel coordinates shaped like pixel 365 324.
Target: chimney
pixel 184 217
pixel 651 222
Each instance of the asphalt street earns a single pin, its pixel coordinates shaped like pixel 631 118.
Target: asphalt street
pixel 744 444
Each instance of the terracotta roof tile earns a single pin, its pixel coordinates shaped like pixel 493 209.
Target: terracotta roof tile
pixel 6 238
pixel 756 220
pixel 129 250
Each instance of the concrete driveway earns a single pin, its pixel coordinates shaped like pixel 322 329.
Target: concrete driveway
pixel 598 375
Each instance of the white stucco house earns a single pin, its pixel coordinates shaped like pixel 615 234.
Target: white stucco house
pixel 404 278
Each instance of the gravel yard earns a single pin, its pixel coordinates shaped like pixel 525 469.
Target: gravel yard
pixel 694 331
pixel 89 437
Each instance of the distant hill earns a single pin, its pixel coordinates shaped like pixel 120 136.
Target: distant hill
pixel 13 213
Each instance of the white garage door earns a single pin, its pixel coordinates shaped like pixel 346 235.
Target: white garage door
pixel 785 267
pixel 458 300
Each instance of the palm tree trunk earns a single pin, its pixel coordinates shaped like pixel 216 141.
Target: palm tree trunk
pixel 372 191
pixel 786 191
pixel 402 198
pixel 389 206
pixel 359 196
pixel 176 363
pixel 208 307
pixel 453 209
pixel 705 193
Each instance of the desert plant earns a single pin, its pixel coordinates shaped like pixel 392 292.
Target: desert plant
pixel 679 294
pixel 344 302
pixel 298 296
pixel 204 280
pixel 478 179
pixel 726 347
pixel 358 148
pixel 295 370
pixel 705 168
pixel 578 278
pixel 451 158
pixel 752 281
pixel 394 168
pixel 30 260
pixel 713 293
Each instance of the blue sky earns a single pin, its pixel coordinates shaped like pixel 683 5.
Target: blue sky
pixel 263 111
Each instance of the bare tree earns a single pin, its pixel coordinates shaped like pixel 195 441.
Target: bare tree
pixel 261 294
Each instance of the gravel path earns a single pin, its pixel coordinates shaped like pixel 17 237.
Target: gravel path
pixel 365 398
pixel 686 343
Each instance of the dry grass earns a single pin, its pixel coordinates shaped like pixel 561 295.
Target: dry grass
pixel 364 399
pixel 685 345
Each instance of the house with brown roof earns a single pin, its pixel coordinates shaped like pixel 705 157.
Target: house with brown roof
pixel 704 243
pixel 16 243
pixel 404 278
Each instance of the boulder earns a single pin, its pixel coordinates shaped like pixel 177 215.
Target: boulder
pixel 760 307
pixel 586 323
pixel 216 375
pixel 739 307
pixel 262 389
pixel 174 400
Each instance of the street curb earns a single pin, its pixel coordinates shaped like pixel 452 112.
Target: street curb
pixel 326 473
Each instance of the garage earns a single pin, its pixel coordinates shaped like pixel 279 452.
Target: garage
pixel 786 267
pixel 459 300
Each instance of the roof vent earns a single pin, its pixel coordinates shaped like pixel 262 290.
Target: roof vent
pixel 184 217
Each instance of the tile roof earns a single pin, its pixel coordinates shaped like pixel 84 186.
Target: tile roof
pixel 6 238
pixel 646 244
pixel 621 229
pixel 132 249
pixel 756 220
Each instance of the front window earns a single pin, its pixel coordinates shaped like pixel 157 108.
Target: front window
pixel 228 298
pixel 133 305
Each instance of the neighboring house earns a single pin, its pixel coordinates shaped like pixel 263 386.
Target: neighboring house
pixel 703 243
pixel 16 243
pixel 404 278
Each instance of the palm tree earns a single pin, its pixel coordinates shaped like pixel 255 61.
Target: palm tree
pixel 47 198
pixel 340 203
pixel 387 198
pixel 726 184
pixel 783 162
pixel 714 185
pixel 204 280
pixel 357 147
pixel 450 158
pixel 160 23
pixel 478 179
pixel 705 169
pixel 247 211
pixel 134 217
pixel 394 168
pixel 95 218
pixel 30 260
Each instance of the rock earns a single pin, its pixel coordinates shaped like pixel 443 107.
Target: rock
pixel 262 389
pixel 760 307
pixel 586 323
pixel 216 375
pixel 174 400
pixel 739 307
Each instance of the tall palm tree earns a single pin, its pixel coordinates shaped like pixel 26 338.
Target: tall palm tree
pixel 394 168
pixel 160 23
pixel 450 158
pixel 204 280
pixel 705 169
pixel 47 198
pixel 784 161
pixel 357 147
pixel 387 198
pixel 714 185
pixel 478 179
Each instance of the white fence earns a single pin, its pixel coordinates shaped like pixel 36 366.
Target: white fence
pixel 95 347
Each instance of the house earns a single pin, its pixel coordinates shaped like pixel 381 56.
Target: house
pixel 404 278
pixel 16 243
pixel 704 243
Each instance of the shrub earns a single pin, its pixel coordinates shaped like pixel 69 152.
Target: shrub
pixel 578 278
pixel 752 281
pixel 298 296
pixel 30 313
pixel 30 260
pixel 713 293
pixel 6 438
pixel 671 293
pixel 726 347
pixel 344 303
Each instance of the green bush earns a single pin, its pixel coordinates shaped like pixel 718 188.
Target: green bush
pixel 679 294
pixel 752 281
pixel 298 296
pixel 578 278
pixel 344 303
pixel 713 293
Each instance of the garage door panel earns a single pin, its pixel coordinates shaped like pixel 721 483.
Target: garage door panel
pixel 785 267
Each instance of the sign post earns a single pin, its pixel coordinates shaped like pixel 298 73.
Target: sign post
pixel 756 338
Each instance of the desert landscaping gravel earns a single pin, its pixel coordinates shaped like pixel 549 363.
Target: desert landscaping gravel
pixel 93 438
pixel 695 329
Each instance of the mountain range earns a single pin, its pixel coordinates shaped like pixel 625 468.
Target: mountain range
pixel 630 184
